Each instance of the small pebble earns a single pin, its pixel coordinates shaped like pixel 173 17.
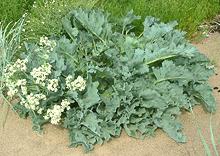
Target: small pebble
pixel 215 88
pixel 216 73
pixel 219 91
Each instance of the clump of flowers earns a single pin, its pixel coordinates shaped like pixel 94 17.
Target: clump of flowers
pixel 52 85
pixel 22 83
pixel 40 74
pixel 45 47
pixel 18 65
pixel 13 85
pixel 12 90
pixel 55 113
pixel 34 85
pixel 47 44
pixel 32 101
pixel 75 84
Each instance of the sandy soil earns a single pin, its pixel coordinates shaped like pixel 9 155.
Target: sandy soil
pixel 18 139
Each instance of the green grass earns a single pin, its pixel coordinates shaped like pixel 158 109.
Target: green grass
pixel 10 32
pixel 189 13
pixel 46 19
pixel 207 148
pixel 12 10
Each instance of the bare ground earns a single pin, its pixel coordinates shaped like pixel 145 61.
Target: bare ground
pixel 18 139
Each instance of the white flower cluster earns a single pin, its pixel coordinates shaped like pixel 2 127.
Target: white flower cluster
pixel 22 84
pixel 12 85
pixel 32 101
pixel 12 90
pixel 41 73
pixel 52 85
pixel 55 113
pixel 77 84
pixel 48 44
pixel 19 65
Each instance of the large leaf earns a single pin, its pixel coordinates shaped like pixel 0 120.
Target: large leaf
pixel 91 97
pixel 203 93
pixel 92 123
pixel 128 20
pixel 169 124
pixel 95 22
pixel 170 72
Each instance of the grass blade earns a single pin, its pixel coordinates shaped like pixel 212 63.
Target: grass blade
pixel 204 143
pixel 206 146
pixel 212 137
pixel 9 43
pixel 4 114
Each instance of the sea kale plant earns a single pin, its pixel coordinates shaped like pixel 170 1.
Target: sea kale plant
pixel 99 78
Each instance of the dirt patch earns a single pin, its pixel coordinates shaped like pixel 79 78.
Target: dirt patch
pixel 18 139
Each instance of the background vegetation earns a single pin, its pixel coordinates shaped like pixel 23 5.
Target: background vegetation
pixel 12 10
pixel 45 18
pixel 188 13
pixel 45 15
